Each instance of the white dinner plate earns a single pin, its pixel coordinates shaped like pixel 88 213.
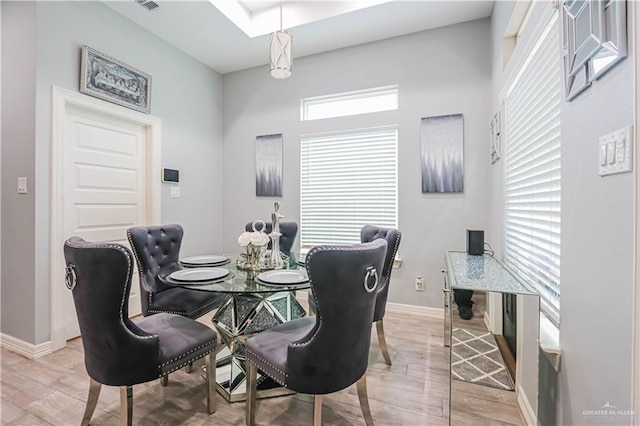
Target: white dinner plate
pixel 199 274
pixel 205 259
pixel 283 277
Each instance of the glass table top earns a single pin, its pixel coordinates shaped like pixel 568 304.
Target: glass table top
pixel 240 281
pixel 484 273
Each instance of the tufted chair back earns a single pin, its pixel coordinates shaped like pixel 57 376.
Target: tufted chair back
pixel 392 237
pixel 330 351
pixel 121 352
pixel 335 353
pixel 289 230
pixel 116 351
pixel 157 251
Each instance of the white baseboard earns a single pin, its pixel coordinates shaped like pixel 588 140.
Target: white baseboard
pixel 525 408
pixel 400 308
pixel 23 348
pixel 487 322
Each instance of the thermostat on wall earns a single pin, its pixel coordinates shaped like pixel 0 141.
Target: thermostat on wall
pixel 171 175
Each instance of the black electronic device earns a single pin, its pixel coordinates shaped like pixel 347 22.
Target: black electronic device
pixel 475 242
pixel 171 175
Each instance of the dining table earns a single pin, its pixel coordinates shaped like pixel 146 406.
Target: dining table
pixel 253 305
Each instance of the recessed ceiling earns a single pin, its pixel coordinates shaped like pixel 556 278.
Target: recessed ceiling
pixel 204 32
pixel 256 18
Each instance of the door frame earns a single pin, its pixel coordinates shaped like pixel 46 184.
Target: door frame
pixel 62 100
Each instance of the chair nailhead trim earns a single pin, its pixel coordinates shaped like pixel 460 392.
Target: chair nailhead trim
pixel 318 311
pixel 255 355
pixel 127 254
pixel 395 250
pixel 143 281
pixel 178 367
pixel 191 351
pixel 308 261
pixel 141 273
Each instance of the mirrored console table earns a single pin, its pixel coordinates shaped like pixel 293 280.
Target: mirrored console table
pixel 495 353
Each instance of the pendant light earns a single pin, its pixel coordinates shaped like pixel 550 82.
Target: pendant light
pixel 281 52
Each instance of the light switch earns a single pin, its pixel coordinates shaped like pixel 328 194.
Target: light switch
pixel 175 192
pixel 615 152
pixel 621 149
pixel 603 155
pixel 22 185
pixel 611 152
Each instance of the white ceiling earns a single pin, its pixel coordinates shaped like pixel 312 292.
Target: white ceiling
pixel 201 30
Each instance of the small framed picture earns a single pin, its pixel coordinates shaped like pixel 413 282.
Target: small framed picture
pixel 496 137
pixel 111 80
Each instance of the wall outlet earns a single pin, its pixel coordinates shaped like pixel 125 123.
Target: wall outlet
pixel 419 284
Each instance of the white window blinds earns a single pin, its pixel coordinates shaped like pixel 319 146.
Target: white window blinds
pixel 532 169
pixel 347 180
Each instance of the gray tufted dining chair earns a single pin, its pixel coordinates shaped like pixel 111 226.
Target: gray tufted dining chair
pixel 157 253
pixel 119 351
pixel 289 230
pixel 327 352
pixel 392 237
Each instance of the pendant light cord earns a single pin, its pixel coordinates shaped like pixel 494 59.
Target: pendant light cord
pixel 280 15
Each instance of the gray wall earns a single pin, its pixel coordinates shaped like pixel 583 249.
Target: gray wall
pixel 443 71
pixel 18 153
pixel 597 241
pixel 186 95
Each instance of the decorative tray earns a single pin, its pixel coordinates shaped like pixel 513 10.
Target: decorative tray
pixel 243 265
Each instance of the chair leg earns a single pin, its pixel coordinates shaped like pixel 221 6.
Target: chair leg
pixel 126 405
pixel 364 400
pixel 92 401
pixel 317 410
pixel 188 368
pixel 210 361
pixel 164 380
pixel 252 382
pixel 383 342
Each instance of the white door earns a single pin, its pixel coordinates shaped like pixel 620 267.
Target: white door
pixel 104 186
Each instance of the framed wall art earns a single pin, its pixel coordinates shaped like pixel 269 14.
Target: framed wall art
pixel 111 80
pixel 496 137
pixel 269 166
pixel 442 141
pixel 594 41
pixel 614 38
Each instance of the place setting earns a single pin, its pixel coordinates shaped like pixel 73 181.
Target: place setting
pixel 204 261
pixel 199 275
pixel 282 277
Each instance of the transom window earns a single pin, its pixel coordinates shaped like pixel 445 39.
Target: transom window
pixel 350 103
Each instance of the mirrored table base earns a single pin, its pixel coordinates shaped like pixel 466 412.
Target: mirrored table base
pixel 242 316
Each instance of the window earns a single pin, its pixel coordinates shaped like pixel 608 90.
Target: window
pixel 351 103
pixel 347 180
pixel 532 169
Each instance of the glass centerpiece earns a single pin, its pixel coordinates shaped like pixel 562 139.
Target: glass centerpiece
pixel 255 244
pixel 255 247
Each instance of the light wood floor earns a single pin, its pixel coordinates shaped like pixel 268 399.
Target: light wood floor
pixel 413 391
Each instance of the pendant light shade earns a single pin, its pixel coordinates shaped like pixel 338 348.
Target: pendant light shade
pixel 280 51
pixel 281 54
